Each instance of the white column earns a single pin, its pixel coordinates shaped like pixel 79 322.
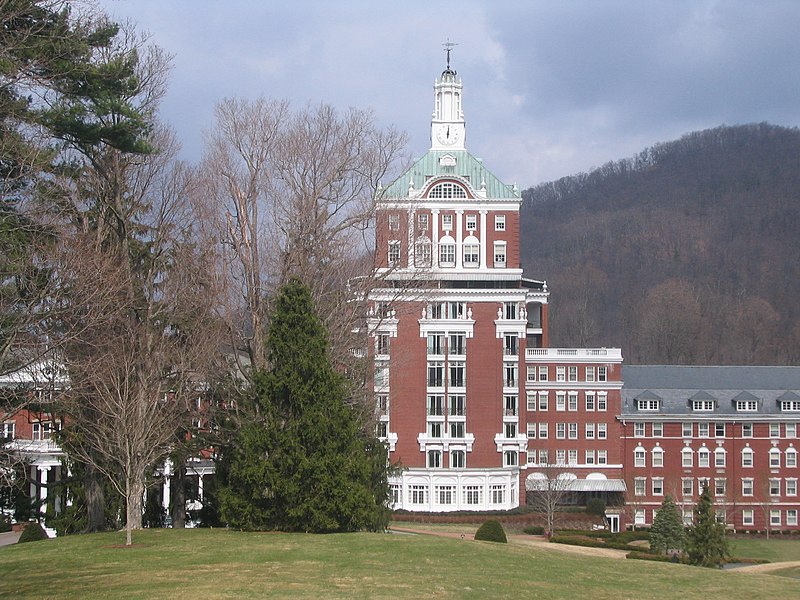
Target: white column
pixel 459 236
pixel 167 478
pixel 484 237
pixel 200 487
pixel 435 237
pixel 43 490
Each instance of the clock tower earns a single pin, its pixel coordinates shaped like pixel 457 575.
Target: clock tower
pixel 448 128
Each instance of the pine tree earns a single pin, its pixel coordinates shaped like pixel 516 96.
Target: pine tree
pixel 667 532
pixel 707 545
pixel 304 463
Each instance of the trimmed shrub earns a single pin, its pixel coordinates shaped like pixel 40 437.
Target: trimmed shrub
pixel 491 531
pixel 33 532
pixel 5 525
pixel 648 556
pixel 534 530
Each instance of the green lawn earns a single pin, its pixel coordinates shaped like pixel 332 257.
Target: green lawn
pixel 775 549
pixel 226 564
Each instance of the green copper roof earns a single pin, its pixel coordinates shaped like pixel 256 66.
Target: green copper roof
pixel 467 168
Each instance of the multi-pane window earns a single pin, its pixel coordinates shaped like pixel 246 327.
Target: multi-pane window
pixel 510 458
pixel 381 376
pixel 775 518
pixel 602 431
pixel 639 486
pixel 561 373
pixel 498 493
pixel 531 429
pixel 791 487
pixel 602 373
pixel 791 457
pixel 530 373
pixel 589 431
pixel 394 252
pixel 394 222
pixel 510 402
pixel 458 459
pixel 543 457
pixel 747 430
pixel 589 397
pixel 703 457
pixel 589 457
pixel 658 486
pixel 510 430
pixel 747 457
pixel 422 221
pixel 499 222
pixel 747 486
pixel 572 431
pixel 511 345
pixel 687 457
pixel 746 405
pixel 510 372
pixel 719 430
pixel 791 430
pixel 457 429
pixel 602 457
pixel 510 310
pixel 774 430
pixel 447 255
pixel 418 494
pixel 457 371
pixel 703 405
pixel 719 457
pixel 702 430
pixel 774 457
pixel 657 429
pixel 561 431
pixel 561 457
pixel 658 457
pixel 602 401
pixel 747 516
pixel 542 373
pixel 572 374
pixel 687 486
pixel 531 398
pixel 790 405
pixel 435 405
pixel 638 429
pixel 435 429
pixel 422 252
pixel 590 374
pixel 447 222
pixel 445 493
pixel 639 516
pixel 458 405
pixel 435 374
pixel 686 429
pixel 8 431
pixel 572 399
pixel 561 401
pixel 720 486
pixel 382 343
pixel 791 516
pixel 472 222
pixel 447 190
pixel 457 343
pixel 572 457
pixel 434 459
pixel 543 431
pixel 646 404
pixel 473 494
pixel 436 343
pixel 639 457
pixel 544 400
pixel 471 255
pixel 500 254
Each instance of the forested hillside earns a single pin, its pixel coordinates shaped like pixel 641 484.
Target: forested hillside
pixel 688 253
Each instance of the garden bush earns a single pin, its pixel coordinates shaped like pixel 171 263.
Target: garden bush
pixel 647 556
pixel 534 530
pixel 491 531
pixel 32 533
pixel 5 525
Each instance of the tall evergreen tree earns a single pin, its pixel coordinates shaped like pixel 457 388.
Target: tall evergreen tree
pixel 305 463
pixel 667 532
pixel 707 545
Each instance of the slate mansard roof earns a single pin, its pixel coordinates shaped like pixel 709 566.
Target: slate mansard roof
pixel 467 168
pixel 675 387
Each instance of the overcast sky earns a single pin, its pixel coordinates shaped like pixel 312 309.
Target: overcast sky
pixel 551 87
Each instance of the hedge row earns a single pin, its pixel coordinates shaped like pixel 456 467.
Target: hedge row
pixel 592 543
pixel 639 555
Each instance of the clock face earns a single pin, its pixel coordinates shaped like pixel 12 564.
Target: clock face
pixel 447 134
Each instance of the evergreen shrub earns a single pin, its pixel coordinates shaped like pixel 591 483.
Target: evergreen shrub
pixel 534 530
pixel 33 532
pixel 491 531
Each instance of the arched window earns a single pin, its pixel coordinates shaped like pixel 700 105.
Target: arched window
pixel 774 457
pixel 747 457
pixel 447 252
pixel 687 457
pixel 472 252
pixel 719 457
pixel 703 457
pixel 447 189
pixel 658 456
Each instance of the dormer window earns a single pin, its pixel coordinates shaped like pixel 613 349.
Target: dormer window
pixel 703 405
pixel 746 405
pixel 790 405
pixel 647 404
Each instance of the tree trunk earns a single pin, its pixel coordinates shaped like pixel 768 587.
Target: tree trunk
pixel 95 500
pixel 133 503
pixel 178 497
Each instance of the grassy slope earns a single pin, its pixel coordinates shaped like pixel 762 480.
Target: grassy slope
pixel 776 549
pixel 224 564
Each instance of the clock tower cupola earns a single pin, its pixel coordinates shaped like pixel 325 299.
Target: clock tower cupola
pixel 448 128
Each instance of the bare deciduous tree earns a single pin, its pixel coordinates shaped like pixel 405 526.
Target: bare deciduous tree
pixel 546 489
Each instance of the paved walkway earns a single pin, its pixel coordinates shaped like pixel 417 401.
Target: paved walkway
pixel 6 539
